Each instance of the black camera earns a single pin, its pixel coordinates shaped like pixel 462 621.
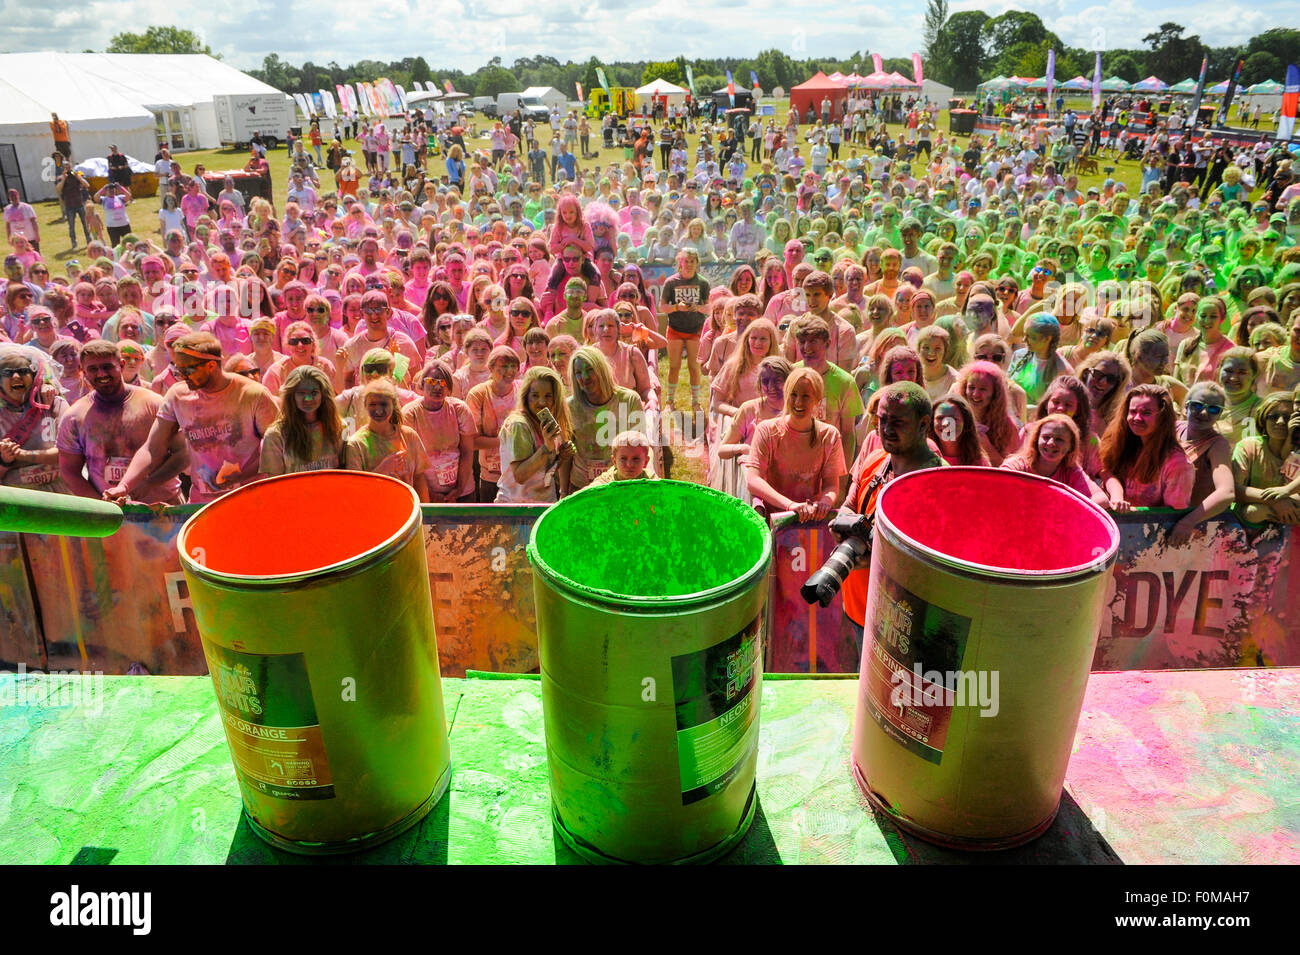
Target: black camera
pixel 854 532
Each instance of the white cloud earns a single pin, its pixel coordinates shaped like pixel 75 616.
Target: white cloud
pixel 464 34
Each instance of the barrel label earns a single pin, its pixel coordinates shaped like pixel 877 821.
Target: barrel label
pixel 717 711
pixel 271 725
pixel 912 641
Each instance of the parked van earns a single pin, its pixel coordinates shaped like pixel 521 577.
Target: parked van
pixel 530 107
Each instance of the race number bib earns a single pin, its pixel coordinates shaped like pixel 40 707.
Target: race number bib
pixel 593 469
pixel 1291 466
pixel 115 470
pixel 37 475
pixel 445 468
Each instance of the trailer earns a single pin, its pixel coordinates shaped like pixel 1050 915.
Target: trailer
pixel 240 115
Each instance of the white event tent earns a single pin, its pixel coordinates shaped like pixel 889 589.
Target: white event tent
pixel 661 88
pixel 131 100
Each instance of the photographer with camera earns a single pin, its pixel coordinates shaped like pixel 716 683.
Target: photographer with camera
pixel 904 415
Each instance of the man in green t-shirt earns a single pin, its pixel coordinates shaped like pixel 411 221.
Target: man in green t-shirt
pixel 570 321
pixel 843 402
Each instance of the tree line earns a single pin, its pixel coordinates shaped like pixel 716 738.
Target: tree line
pixel 964 49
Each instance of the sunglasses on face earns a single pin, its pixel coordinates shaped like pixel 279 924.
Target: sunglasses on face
pixel 300 341
pixel 374 369
pixel 1197 407
pixel 1102 376
pixel 8 373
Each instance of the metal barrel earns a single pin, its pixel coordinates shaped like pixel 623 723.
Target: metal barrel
pixel 43 512
pixel 651 600
pixel 983 613
pixel 319 637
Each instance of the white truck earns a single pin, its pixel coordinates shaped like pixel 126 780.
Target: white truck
pixel 240 115
pixel 530 107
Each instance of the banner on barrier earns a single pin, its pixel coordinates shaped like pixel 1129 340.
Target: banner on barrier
pixel 1229 597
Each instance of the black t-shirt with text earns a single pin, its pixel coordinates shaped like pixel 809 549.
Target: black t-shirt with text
pixel 692 292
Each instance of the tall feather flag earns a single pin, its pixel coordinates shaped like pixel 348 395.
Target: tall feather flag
pixel 1096 82
pixel 690 79
pixel 731 88
pixel 601 78
pixel 918 74
pixel 877 63
pixel 1051 73
pixel 579 86
pixel 1200 90
pixel 753 80
pixel 446 84
pixel 1290 102
pixel 1232 89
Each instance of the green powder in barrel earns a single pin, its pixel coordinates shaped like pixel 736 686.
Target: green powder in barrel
pixel 650 539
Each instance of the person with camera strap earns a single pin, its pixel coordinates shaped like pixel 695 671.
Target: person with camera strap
pixel 905 418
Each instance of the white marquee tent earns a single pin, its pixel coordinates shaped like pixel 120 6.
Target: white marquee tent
pixel 131 100
pixel 676 95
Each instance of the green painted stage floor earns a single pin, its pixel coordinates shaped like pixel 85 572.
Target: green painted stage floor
pixel 1169 767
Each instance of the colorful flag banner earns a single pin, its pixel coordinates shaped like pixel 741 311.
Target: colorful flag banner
pixel 753 80
pixel 917 73
pixel 731 88
pixel 1290 102
pixel 1096 82
pixel 327 98
pixel 1200 90
pixel 579 86
pixel 877 63
pixel 690 79
pixel 604 83
pixel 1051 74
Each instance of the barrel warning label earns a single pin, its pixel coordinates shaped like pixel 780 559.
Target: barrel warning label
pixel 717 711
pixel 270 720
pixel 910 640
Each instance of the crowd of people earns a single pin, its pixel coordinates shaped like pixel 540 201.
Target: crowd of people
pixel 848 305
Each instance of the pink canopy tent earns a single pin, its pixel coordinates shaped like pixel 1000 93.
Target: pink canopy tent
pixel 836 77
pixel 898 79
pixel 853 81
pixel 809 95
pixel 876 81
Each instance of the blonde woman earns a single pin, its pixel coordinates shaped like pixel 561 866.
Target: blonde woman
pixel 795 462
pixel 535 442
pixel 384 445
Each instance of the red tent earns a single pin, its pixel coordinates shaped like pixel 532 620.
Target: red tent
pixel 812 92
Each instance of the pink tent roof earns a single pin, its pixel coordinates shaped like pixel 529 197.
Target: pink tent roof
pixel 898 79
pixel 837 77
pixel 876 81
pixel 819 81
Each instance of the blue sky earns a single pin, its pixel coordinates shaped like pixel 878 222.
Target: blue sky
pixel 464 34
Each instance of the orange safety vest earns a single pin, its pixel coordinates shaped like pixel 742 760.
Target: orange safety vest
pixel 857 583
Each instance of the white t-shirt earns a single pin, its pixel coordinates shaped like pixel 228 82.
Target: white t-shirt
pixel 19 217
